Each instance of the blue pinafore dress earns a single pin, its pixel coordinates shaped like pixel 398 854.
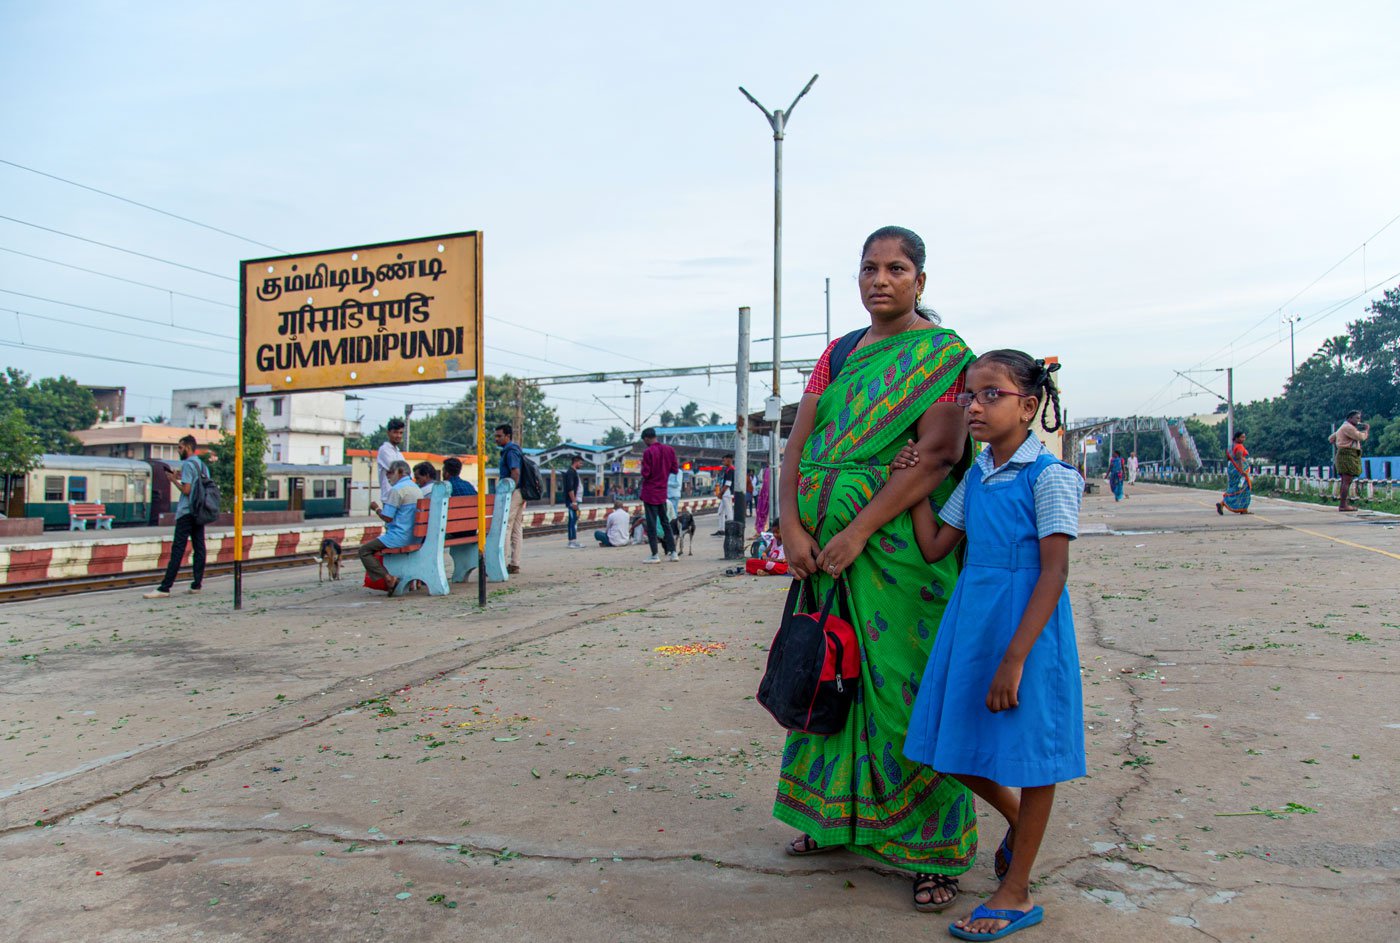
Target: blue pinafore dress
pixel 1041 740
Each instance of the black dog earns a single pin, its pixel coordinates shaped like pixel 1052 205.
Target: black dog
pixel 329 559
pixel 684 526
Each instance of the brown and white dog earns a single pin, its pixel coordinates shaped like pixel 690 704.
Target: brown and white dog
pixel 329 560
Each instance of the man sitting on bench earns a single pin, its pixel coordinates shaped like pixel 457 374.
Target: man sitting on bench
pixel 402 505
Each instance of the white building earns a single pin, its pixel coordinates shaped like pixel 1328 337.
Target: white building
pixel 302 428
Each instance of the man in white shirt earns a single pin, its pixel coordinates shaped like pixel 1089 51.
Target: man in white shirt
pixel 389 454
pixel 1132 468
pixel 616 534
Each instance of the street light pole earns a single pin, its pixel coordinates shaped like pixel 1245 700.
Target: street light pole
pixel 777 120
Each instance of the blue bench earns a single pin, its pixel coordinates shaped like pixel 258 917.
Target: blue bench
pixel 443 522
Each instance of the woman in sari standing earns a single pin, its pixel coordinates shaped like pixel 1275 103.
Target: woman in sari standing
pixel 1117 471
pixel 1238 487
pixel 855 789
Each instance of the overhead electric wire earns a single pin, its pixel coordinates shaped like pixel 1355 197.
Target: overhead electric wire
pixel 144 206
pixel 134 363
pixel 108 245
pixel 1277 311
pixel 118 314
pixel 111 330
pixel 129 281
pixel 1326 313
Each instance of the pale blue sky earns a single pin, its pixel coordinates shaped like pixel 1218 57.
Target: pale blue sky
pixel 1128 188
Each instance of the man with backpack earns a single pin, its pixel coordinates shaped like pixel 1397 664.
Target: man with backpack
pixel 513 467
pixel 192 477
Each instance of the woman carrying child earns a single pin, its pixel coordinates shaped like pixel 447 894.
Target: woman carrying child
pixel 1000 706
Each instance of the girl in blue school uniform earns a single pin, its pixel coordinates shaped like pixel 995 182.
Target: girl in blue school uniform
pixel 1000 706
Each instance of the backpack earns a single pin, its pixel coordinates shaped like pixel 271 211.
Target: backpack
pixel 813 667
pixel 531 488
pixel 204 497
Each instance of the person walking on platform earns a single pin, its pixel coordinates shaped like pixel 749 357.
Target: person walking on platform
pixel 1117 472
pixel 1239 488
pixel 1348 438
pixel 389 454
pixel 724 487
pixel 187 529
pixel 1132 468
pixel 397 514
pixel 658 463
pixel 573 494
pixel 512 460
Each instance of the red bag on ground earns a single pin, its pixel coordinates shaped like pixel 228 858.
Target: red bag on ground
pixel 372 583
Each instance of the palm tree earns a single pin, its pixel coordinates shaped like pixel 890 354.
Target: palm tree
pixel 690 415
pixel 715 419
pixel 1338 347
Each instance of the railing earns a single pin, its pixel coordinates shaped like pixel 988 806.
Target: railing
pixel 1278 479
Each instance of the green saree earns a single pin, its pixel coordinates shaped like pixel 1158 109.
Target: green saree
pixel 855 788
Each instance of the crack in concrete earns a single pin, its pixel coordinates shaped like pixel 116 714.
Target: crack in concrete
pixel 500 853
pixel 584 616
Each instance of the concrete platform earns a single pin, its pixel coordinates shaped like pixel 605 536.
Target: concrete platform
pixel 330 763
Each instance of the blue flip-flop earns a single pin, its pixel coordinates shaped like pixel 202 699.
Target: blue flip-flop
pixel 1020 920
pixel 999 869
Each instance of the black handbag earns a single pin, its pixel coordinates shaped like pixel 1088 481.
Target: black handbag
pixel 813 668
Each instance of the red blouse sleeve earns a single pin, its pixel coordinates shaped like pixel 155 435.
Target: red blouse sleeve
pixel 821 373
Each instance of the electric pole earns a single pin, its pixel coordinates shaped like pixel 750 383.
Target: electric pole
pixel 1292 355
pixel 777 120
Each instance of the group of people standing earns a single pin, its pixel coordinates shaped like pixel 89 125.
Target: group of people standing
pixel 967 689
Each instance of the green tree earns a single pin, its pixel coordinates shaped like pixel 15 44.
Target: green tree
pixel 1375 341
pixel 615 436
pixel 1210 440
pixel 689 415
pixel 54 407
pixel 224 453
pixel 451 430
pixel 19 450
pixel 667 418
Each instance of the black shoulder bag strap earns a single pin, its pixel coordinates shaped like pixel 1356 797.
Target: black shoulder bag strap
pixel 843 349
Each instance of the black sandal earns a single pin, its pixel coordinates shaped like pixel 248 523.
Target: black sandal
pixel 807 845
pixel 930 884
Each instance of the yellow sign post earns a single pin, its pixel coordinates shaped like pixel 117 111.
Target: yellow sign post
pixel 379 315
pixel 238 503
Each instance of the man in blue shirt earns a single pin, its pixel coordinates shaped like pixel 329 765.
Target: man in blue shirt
pixel 512 458
pixel 452 474
pixel 187 529
pixel 397 515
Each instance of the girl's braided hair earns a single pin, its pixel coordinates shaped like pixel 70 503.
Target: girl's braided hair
pixel 1032 377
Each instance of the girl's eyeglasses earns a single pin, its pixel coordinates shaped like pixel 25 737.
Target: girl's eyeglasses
pixel 986 397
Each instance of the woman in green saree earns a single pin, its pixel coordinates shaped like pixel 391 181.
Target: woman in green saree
pixel 854 789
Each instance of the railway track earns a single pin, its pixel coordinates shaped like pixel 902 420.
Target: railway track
pixel 42 589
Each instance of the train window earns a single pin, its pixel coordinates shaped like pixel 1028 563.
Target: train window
pixel 330 488
pixel 273 487
pixel 318 488
pixel 53 487
pixel 113 489
pixel 77 488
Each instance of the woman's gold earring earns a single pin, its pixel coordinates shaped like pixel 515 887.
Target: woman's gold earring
pixel 918 297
